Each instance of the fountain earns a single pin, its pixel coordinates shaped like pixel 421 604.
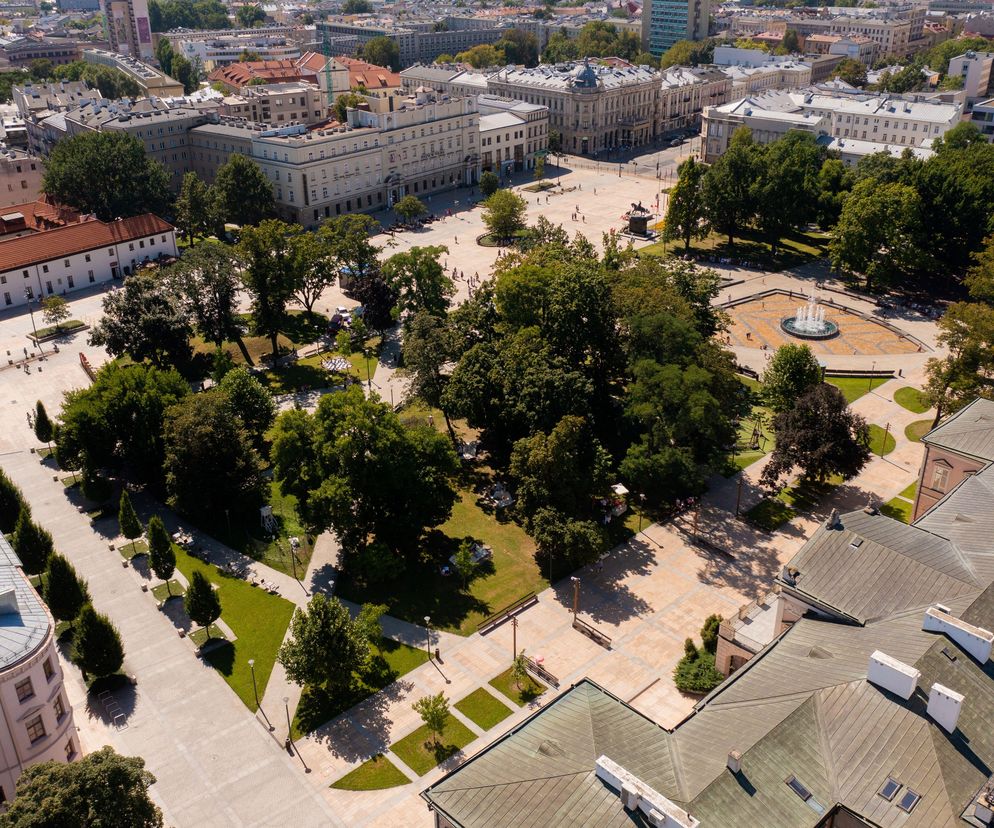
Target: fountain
pixel 809 322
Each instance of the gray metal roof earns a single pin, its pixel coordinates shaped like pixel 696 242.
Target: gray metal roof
pixel 969 431
pixel 872 566
pixel 25 629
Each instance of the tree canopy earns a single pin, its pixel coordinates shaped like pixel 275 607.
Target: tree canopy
pixel 325 645
pixel 244 194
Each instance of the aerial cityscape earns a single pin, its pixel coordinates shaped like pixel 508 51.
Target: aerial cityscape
pixel 462 414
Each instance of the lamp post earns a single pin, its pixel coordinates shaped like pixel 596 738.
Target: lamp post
pixel 641 510
pixel 289 737
pixel 514 636
pixel 255 692
pixel 31 311
pixel 369 379
pixel 869 385
pixel 576 595
pixel 428 636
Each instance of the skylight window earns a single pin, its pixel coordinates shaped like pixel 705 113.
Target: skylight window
pixel 856 543
pixel 798 787
pixel 909 800
pixel 889 789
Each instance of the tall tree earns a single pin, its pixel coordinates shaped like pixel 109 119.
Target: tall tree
pixel 519 47
pixel 96 644
pixel 351 250
pixel 686 209
pixel 314 265
pixel 821 436
pixel 55 311
pixel 32 544
pixel 145 320
pixel 787 177
pixel 728 186
pixel 382 51
pixel 879 233
pixel 966 331
pixel 185 73
pixel 418 280
pixel 560 48
pixel 101 788
pixel 428 345
pixel 410 208
pixel 11 504
pixel 325 646
pixel 210 463
pixel 44 430
pixel 65 592
pixel 851 71
pixel 244 194
pixel 106 173
pixel 250 15
pixel 127 518
pixel 791 373
pixel 207 279
pixel 271 275
pixel 195 207
pixel 161 556
pixel 164 54
pixel 504 214
pixel 201 602
pixel 481 56
pixel 434 712
pixel 489 183
pixel 250 401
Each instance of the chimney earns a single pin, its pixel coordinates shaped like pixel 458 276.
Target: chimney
pixel 8 603
pixel 734 761
pixel 974 640
pixel 944 706
pixel 892 675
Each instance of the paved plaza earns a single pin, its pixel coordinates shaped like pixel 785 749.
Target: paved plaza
pixel 217 764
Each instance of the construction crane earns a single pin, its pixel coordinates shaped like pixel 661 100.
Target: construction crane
pixel 326 51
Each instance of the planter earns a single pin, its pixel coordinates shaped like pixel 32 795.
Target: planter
pixel 61 333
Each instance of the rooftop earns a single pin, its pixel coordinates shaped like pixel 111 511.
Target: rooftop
pixel 969 431
pixel 24 622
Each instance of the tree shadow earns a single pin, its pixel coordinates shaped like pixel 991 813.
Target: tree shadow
pixel 116 707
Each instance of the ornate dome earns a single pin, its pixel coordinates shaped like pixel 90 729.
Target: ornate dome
pixel 584 76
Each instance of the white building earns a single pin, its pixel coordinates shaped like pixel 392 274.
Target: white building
pixel 880 119
pixel 37 722
pixel 222 50
pixel 977 71
pixel 20 177
pixel 79 255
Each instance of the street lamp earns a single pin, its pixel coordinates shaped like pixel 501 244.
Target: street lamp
pixel 255 691
pixel 31 310
pixel 289 736
pixel 369 379
pixel 428 635
pixel 869 385
pixel 576 595
pixel 641 510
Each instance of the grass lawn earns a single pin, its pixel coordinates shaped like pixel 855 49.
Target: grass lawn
pixel 745 455
pixel 483 709
pixel 909 492
pixel 772 513
pixel 425 591
pixel 300 329
pixel 175 589
pixel 258 620
pixel 898 508
pixel 420 753
pixel 878 444
pixel 317 705
pixel 307 373
pixel 853 388
pixel 911 399
pixel 66 327
pixel 794 250
pixel 918 429
pixel 372 775
pixel 200 637
pixel 530 688
pixel 131 550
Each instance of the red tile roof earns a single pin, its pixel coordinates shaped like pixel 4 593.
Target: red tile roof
pixel 89 234
pixel 37 215
pixel 238 75
pixel 361 73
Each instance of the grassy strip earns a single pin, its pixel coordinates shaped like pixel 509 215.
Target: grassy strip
pixel 421 753
pixel 131 550
pixel 481 708
pixel 174 590
pixel 918 429
pixel 64 328
pixel 372 775
pixel 529 690
pixel 853 388
pixel 881 441
pixel 911 399
pixel 200 637
pixel 258 620
pixel 898 508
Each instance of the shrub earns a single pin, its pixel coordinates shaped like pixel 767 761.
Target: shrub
pixel 697 675
pixel 709 633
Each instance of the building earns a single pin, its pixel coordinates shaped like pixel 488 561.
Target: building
pixel 225 49
pixel 151 80
pixel 982 116
pixel 128 29
pixel 781 74
pixel 861 693
pixel 513 134
pixel 664 22
pixel 685 92
pixel 78 255
pixel 592 107
pixel 278 104
pixel 392 146
pixel 20 51
pixel 37 723
pixel 236 76
pixel 178 37
pixel 975 69
pixel 20 177
pixel 453 79
pixel 907 121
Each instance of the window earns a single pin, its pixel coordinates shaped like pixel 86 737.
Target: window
pixel 87 257
pixel 909 801
pixel 65 263
pixel 798 788
pixel 24 690
pixel 889 789
pixel 60 709
pixel 44 268
pixel 940 478
pixel 36 729
pixel 70 751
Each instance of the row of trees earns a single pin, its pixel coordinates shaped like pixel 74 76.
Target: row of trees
pixel 515 46
pixel 894 220
pixel 96 644
pixel 596 39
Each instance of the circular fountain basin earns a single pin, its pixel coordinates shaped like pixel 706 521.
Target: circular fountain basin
pixel 807 329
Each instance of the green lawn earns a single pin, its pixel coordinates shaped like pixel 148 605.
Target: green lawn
pixel 66 327
pixel 918 429
pixel 300 329
pixel 795 249
pixel 529 690
pixel 909 492
pixel 318 705
pixel 882 442
pixel 911 399
pixel 163 592
pixel 425 591
pixel 199 636
pixel 130 549
pixel 745 455
pixel 853 388
pixel 483 709
pixel 773 512
pixel 898 509
pixel 420 753
pixel 770 514
pixel 307 373
pixel 372 775
pixel 258 620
